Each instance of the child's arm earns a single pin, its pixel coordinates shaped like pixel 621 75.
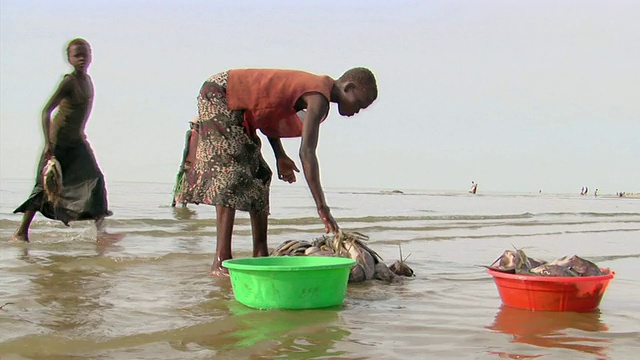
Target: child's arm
pixel 54 101
pixel 286 166
pixel 317 109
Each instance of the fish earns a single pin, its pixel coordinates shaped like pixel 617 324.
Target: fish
pixel 52 180
pixel 281 249
pixel 312 250
pixel 579 265
pixel 323 253
pixel 353 245
pixel 291 248
pixel 316 251
pixel 400 267
pixel 512 261
pixel 357 273
pixel 553 270
pixel 382 272
pixel 517 262
pixel 536 262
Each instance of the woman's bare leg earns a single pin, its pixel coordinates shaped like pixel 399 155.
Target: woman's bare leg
pixel 225 216
pixel 259 223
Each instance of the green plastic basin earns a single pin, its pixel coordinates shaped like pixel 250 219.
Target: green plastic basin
pixel 289 282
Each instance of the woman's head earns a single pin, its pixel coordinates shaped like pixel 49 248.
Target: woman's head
pixel 79 54
pixel 357 90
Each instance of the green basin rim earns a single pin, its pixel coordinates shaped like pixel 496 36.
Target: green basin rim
pixel 238 264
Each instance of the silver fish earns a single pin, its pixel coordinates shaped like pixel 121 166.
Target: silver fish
pixel 512 261
pixel 382 272
pixel 52 180
pixel 553 270
pixel 583 267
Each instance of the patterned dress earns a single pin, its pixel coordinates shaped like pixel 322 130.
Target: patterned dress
pixel 229 169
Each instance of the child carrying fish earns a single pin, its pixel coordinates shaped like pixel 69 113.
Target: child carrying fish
pixel 69 184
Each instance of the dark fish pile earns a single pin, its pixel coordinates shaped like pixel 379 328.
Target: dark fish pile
pixel 517 262
pixel 369 264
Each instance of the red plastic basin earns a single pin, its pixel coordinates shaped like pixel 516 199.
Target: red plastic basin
pixel 550 293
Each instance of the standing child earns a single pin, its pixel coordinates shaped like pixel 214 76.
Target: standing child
pixel 83 195
pixel 188 158
pixel 230 172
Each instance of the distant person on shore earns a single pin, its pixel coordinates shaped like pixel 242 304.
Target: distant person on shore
pixel 188 158
pixel 230 172
pixel 595 193
pixel 82 195
pixel 474 187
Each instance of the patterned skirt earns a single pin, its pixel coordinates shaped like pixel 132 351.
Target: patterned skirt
pixel 229 169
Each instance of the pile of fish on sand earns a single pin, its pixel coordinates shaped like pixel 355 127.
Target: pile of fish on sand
pixel 517 262
pixel 353 245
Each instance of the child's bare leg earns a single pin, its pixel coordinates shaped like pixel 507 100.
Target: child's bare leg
pixel 22 233
pixel 103 234
pixel 259 222
pixel 225 217
pixel 100 228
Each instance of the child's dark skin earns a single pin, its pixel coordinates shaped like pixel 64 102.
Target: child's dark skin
pixel 79 56
pixel 350 99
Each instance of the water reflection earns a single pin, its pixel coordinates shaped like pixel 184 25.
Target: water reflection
pixel 183 213
pixel 70 290
pixel 552 329
pixel 246 332
pixel 107 245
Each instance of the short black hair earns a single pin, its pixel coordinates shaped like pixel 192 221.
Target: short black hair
pixel 77 41
pixel 362 77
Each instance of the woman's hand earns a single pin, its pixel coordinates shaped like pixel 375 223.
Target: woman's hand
pixel 287 169
pixel 330 224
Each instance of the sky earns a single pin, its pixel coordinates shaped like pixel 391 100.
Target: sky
pixel 518 96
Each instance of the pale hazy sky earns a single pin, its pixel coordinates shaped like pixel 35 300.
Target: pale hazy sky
pixel 515 95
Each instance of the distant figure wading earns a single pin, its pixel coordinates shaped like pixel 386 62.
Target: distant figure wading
pixel 474 187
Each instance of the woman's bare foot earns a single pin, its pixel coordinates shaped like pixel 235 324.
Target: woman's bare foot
pixel 20 235
pixel 218 271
